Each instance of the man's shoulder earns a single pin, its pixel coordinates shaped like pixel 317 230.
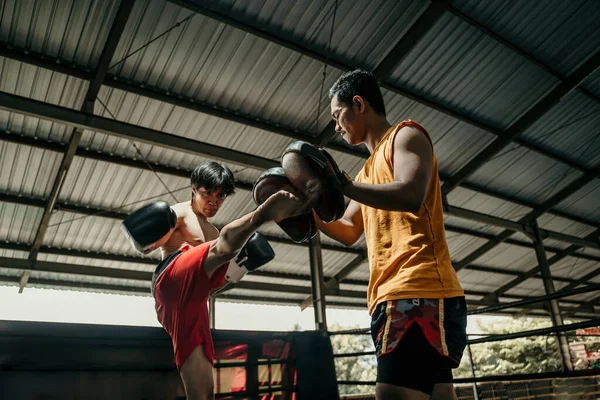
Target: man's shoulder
pixel 181 209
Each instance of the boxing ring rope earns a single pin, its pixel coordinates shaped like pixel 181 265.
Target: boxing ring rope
pixel 533 300
pixel 551 331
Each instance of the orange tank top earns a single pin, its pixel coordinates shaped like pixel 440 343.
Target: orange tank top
pixel 408 252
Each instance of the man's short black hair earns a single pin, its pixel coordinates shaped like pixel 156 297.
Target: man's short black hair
pixel 358 83
pixel 212 176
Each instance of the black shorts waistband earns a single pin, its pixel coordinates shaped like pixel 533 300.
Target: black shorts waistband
pixel 162 266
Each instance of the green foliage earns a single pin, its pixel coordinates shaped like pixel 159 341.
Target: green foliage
pixel 362 368
pixel 517 356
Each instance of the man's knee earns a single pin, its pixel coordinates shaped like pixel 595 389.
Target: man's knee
pixel 443 391
pixel 385 391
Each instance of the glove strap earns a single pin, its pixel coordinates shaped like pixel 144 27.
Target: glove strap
pixel 344 178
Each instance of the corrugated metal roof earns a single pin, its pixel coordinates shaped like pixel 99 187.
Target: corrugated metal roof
pixel 86 232
pixel 510 257
pixel 111 186
pixel 155 155
pixel 573 267
pixel 529 287
pixel 563 225
pixel 13 254
pixel 363 33
pixel 214 54
pixel 90 279
pixel 485 204
pixel 74 31
pixel 27 171
pixel 95 262
pixel 12 272
pixel 571 129
pixel 461 246
pixel 592 83
pixel 360 303
pixel 589 251
pixel 463 276
pixel 455 142
pixel 121 290
pixel 291 280
pixel 585 201
pixel 206 61
pixel 520 172
pixel 203 57
pixel 522 237
pixel 357 288
pixel 265 294
pixel 18 223
pixel 556 243
pixel 466 70
pixel 43 85
pixel 361 273
pixel 472 225
pixel 559 33
pixel 477 279
pixel 583 297
pixel 179 121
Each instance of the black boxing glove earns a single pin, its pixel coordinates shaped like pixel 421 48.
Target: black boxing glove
pixel 256 252
pixel 300 228
pixel 316 174
pixel 147 226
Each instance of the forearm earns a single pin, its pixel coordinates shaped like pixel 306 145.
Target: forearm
pixel 234 235
pixel 340 230
pixel 394 196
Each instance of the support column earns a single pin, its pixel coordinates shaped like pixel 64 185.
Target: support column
pixel 563 344
pixel 212 300
pixel 317 282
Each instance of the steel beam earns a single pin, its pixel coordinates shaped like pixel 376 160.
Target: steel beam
pixel 344 66
pixel 555 314
pixel 85 270
pixel 116 214
pixel 158 94
pixel 452 210
pixel 533 271
pixel 521 52
pixel 317 283
pixel 525 121
pixel 334 283
pixel 67 116
pixel 211 311
pixel 592 241
pixel 81 285
pixel 407 42
pixel 108 51
pixel 75 269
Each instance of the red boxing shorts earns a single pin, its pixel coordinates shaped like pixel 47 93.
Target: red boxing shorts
pixel 443 322
pixel 181 288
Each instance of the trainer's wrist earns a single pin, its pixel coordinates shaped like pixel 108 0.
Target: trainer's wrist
pixel 344 179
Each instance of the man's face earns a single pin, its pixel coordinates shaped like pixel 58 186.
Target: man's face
pixel 206 201
pixel 349 119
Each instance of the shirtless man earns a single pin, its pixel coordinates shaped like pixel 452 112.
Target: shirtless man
pixel 195 261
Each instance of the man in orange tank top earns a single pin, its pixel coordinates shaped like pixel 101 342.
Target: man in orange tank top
pixel 417 305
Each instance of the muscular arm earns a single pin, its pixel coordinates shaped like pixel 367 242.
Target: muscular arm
pixel 231 239
pixel 412 172
pixel 347 229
